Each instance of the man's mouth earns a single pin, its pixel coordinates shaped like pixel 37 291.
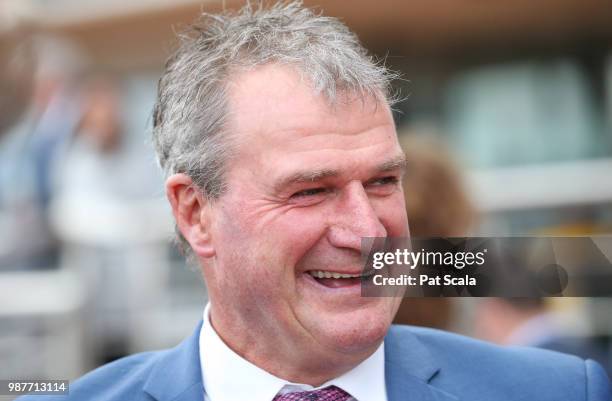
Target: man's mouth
pixel 335 279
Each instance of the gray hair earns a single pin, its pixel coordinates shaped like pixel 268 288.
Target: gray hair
pixel 191 108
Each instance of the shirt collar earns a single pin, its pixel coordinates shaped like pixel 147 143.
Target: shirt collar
pixel 230 377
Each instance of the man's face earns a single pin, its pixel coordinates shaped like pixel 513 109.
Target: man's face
pixel 306 183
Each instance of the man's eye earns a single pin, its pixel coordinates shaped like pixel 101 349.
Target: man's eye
pixel 308 192
pixel 386 181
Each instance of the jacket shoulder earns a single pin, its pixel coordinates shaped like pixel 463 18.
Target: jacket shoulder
pixel 482 369
pixel 458 346
pixel 122 379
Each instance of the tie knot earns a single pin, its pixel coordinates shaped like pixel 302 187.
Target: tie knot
pixel 331 393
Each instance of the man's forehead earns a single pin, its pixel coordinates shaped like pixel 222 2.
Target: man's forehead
pixel 278 97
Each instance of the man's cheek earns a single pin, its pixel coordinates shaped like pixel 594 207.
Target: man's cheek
pixel 298 235
pixel 395 221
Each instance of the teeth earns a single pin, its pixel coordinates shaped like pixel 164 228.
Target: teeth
pixel 326 274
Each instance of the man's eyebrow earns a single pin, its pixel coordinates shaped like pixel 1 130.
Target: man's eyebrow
pixel 305 176
pixel 299 177
pixel 397 163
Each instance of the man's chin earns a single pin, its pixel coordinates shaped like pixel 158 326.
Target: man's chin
pixel 341 319
pixel 356 332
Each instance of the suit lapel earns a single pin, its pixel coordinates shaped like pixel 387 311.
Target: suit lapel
pixel 177 376
pixel 409 368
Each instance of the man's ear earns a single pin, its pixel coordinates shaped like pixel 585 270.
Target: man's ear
pixel 190 208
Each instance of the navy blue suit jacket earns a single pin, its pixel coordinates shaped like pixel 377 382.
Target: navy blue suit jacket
pixel 420 365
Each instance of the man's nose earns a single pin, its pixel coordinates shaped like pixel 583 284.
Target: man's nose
pixel 354 218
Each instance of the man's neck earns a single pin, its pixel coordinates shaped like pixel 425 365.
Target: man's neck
pixel 302 365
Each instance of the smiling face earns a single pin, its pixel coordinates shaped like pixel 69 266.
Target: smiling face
pixel 306 182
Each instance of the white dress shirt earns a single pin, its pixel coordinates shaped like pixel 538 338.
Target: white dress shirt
pixel 229 377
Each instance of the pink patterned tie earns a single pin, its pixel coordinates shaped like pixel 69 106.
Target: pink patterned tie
pixel 331 393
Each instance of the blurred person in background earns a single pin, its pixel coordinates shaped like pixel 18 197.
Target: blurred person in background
pixel 16 87
pixel 437 205
pixel 31 147
pixel 100 124
pixel 86 172
pixel 437 201
pixel 274 128
pixel 106 209
pixel 530 322
pixel 16 78
pixel 102 171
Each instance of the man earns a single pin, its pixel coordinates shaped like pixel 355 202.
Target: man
pixel 275 131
